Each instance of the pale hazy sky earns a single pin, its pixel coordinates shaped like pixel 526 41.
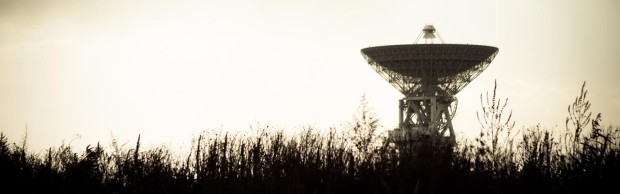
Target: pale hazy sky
pixel 170 69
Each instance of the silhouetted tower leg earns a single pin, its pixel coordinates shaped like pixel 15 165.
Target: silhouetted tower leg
pixel 427 116
pixel 424 119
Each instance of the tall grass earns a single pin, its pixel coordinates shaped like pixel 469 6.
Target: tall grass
pixel 583 158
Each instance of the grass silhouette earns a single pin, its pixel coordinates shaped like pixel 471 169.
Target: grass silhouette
pixel 583 158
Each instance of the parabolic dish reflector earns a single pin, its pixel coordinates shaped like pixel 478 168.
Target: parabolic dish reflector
pixel 412 68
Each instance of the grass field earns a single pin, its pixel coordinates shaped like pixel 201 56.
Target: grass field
pixel 585 157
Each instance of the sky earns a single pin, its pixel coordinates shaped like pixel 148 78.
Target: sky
pixel 82 72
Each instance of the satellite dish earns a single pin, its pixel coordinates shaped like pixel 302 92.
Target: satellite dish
pixel 428 75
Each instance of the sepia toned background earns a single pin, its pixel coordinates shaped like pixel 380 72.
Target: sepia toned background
pixel 84 71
